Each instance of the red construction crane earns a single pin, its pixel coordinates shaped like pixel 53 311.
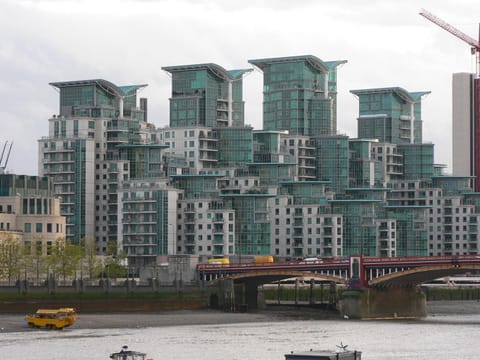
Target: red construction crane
pixel 475 44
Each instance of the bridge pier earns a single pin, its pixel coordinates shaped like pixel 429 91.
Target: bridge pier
pixel 383 303
pixel 241 296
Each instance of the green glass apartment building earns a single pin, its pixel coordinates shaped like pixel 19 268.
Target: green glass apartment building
pixel 299 94
pixel 208 185
pixel 206 95
pixel 391 115
pixel 81 154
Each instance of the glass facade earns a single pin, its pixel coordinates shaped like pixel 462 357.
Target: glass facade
pixel 417 160
pixel 391 115
pixel 235 146
pixel 364 171
pixel 251 222
pixel 294 189
pixel 359 227
pixel 206 95
pixel 145 161
pixel 299 95
pixel 197 186
pixel 411 230
pixel 333 161
pixel 82 149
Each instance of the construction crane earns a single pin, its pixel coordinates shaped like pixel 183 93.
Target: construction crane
pixel 475 44
pixel 2 168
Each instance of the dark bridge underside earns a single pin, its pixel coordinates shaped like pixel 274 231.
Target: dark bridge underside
pixel 417 276
pixel 266 277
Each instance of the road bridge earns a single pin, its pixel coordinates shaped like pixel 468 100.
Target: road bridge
pixel 377 287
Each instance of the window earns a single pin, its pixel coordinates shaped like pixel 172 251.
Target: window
pixel 38 227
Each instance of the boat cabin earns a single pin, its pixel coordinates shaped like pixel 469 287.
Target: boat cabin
pixel 324 355
pixel 126 354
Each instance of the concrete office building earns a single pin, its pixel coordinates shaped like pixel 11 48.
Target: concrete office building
pixel 466 126
pixel 30 212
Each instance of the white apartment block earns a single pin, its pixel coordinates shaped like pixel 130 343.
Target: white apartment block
pixel 205 228
pixel 302 230
pixel 147 213
pixel 197 145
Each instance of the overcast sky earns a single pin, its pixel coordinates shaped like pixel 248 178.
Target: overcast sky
pixel 386 43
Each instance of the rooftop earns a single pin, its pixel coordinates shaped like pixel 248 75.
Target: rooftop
pixel 409 97
pixel 119 91
pixel 219 71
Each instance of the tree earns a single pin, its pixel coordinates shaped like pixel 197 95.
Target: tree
pixel 115 261
pixel 90 259
pixel 64 258
pixel 37 259
pixel 10 255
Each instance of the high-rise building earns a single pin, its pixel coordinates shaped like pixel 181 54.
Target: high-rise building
pixel 466 126
pixel 302 224
pixel 333 161
pixel 365 170
pixel 299 94
pixel 82 155
pixel 391 115
pixel 207 185
pixel 417 160
pixel 206 95
pixel 147 209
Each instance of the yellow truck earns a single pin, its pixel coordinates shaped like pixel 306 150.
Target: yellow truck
pixel 52 318
pixel 219 261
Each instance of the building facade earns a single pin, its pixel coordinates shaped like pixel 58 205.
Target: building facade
pixel 466 126
pixel 207 185
pixel 30 212
pixel 81 154
pixel 391 115
pixel 300 94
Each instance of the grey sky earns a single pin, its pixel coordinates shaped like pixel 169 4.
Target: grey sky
pixel 127 42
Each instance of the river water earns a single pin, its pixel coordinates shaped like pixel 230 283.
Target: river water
pixel 444 336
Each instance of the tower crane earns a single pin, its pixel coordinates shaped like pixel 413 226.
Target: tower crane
pixel 2 168
pixel 475 44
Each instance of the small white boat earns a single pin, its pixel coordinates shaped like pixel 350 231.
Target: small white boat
pixel 126 354
pixel 341 354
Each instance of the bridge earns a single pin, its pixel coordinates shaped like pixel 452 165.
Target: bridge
pixel 377 287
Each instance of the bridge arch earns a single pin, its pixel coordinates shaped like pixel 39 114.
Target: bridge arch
pixel 416 276
pixel 269 276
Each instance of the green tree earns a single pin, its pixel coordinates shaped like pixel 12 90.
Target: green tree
pixel 90 260
pixel 64 258
pixel 38 260
pixel 115 261
pixel 10 257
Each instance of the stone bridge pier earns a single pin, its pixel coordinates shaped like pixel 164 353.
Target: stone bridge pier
pixel 239 296
pixel 383 303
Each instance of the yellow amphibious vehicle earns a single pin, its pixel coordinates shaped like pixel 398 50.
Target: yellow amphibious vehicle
pixel 52 318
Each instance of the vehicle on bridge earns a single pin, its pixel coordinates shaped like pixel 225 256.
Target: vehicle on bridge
pixel 310 260
pixel 219 261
